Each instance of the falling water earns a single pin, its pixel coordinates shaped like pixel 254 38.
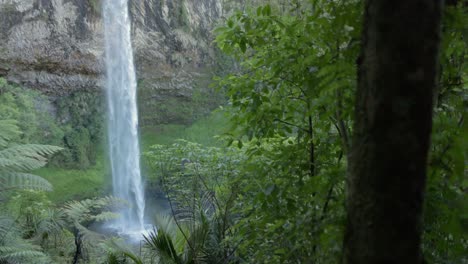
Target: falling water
pixel 123 117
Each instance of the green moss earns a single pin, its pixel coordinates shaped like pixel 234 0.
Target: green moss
pixel 95 6
pixel 182 17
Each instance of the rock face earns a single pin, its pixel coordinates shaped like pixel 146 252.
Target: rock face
pixel 56 46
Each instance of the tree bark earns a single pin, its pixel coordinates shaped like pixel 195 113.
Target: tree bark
pixel 78 246
pixel 397 75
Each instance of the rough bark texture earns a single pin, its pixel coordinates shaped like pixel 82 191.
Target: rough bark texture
pixel 387 162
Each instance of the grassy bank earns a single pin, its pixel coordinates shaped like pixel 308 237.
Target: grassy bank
pixel 77 184
pixel 203 132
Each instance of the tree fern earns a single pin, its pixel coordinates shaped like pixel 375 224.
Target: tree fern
pixel 14 249
pixel 52 222
pixel 80 214
pixel 17 160
pixel 15 163
pixel 90 210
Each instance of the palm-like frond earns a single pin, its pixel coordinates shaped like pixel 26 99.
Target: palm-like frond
pixel 198 239
pixel 162 243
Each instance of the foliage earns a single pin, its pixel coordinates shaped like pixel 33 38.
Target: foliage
pixel 15 249
pixel 27 207
pixel 81 114
pixel 291 100
pixel 195 179
pixel 32 113
pixel 80 214
pixel 445 229
pixel 77 184
pixel 95 6
pixel 76 123
pixel 275 194
pixel 15 162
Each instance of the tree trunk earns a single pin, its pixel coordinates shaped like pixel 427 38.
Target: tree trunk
pixel 393 119
pixel 78 246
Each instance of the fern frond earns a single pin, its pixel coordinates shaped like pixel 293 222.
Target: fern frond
pixel 21 251
pixel 91 209
pixel 26 157
pixel 105 216
pixel 6 163
pixel 9 253
pixel 88 235
pixel 20 180
pixel 52 222
pixel 35 150
pixel 7 225
pixel 77 211
pixel 8 130
pixel 108 202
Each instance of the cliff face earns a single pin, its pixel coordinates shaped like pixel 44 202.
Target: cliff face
pixel 57 46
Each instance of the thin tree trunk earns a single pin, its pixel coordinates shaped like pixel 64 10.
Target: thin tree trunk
pixel 311 148
pixel 78 247
pixel 393 119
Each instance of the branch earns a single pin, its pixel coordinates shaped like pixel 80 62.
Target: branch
pixel 291 124
pixel 339 116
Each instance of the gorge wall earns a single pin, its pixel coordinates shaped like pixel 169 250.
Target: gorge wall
pixel 56 47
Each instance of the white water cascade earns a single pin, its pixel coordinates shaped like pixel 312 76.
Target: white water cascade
pixel 124 149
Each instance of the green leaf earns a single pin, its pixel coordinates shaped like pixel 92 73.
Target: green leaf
pixel 266 10
pixel 243 45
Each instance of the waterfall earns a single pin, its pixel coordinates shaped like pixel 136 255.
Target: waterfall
pixel 124 149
